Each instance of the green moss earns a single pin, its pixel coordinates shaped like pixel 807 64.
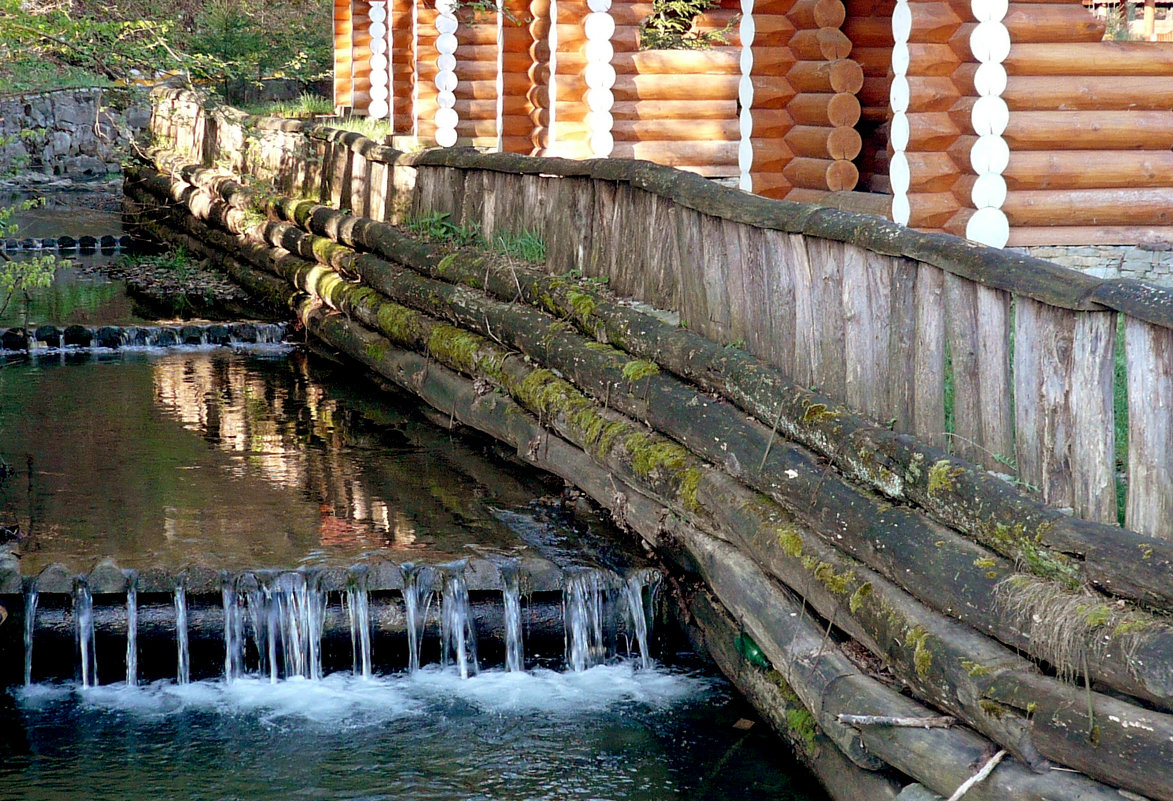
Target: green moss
pixel 942 478
pixel 1095 615
pixel 838 583
pixel 818 412
pixel 859 596
pixel 922 658
pixel 975 668
pixel 1030 709
pixel 639 368
pixel 648 455
pixel 801 724
pixel 912 474
pixel 986 563
pixel 399 322
pixel 689 485
pixel 1027 550
pixel 445 264
pixel 582 303
pixel 992 708
pixel 455 347
pixel 1146 551
pixel 1132 626
pixel 791 541
pixel 1093 736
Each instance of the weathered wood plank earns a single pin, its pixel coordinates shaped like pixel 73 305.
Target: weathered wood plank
pixel 339 179
pixel 778 255
pixel 1149 355
pixel 472 202
pixel 977 326
pixel 1065 450
pixel 570 224
pixel 381 191
pixel 600 249
pixel 805 314
pixel 359 200
pixel 694 307
pixel 718 280
pixel 757 323
pixel 928 380
pixel 533 213
pixel 867 280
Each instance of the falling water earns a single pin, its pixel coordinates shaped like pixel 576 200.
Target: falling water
pixel 297 613
pixel 183 669
pixel 582 610
pixel 258 618
pixel 511 591
pixel 131 628
pixel 641 613
pixel 458 630
pixel 233 630
pixel 417 597
pixel 30 623
pixel 315 612
pixel 358 607
pixel 83 615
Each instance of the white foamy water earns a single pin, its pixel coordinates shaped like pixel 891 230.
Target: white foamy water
pixel 346 701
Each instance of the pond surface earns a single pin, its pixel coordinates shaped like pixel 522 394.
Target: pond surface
pixel 240 459
pixel 611 732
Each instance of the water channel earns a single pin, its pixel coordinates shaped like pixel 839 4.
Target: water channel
pixel 278 470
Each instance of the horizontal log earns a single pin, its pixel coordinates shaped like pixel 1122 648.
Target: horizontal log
pixel 825 110
pixel 1028 236
pixel 933 22
pixel 771 93
pixel 476 90
pixel 1089 169
pixel 933 59
pixel 932 132
pixel 823 143
pixel 931 209
pixel 683 130
pixel 1090 207
pixel 825 174
pixel 860 202
pixel 770 61
pixel 679 154
pixel 867 31
pixel 1052 22
pixel 1090 130
pixel 675 110
pixel 930 172
pixel 826 77
pixel 1137 59
pixel 718 61
pixel 674 87
pixel 770 155
pixel 1086 93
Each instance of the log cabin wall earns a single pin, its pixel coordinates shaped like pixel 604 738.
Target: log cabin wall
pixel 401 56
pixel 1090 132
pixel 869 27
pixel 676 107
pixel 343 85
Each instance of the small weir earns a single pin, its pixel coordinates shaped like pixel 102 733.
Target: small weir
pixel 77 338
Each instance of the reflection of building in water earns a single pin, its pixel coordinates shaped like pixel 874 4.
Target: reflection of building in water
pixel 281 425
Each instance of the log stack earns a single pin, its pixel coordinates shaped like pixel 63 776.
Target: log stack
pixel 1090 132
pixel 343 84
pixel 869 27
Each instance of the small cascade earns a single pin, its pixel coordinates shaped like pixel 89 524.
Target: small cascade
pixel 131 628
pixel 582 609
pixel 83 615
pixel 417 597
pixel 641 608
pixel 52 338
pixel 257 608
pixel 294 608
pixel 183 662
pixel 30 623
pixel 511 596
pixel 233 630
pixel 359 611
pixel 458 629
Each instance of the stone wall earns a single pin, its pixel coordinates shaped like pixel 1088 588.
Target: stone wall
pixel 66 135
pixel 1145 262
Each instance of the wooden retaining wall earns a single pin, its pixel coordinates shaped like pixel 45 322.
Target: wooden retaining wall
pixel 915 330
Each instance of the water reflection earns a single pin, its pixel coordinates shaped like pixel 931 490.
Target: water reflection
pixel 229 459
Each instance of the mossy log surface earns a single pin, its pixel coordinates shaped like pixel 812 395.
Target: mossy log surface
pixel 1123 649
pixel 681 481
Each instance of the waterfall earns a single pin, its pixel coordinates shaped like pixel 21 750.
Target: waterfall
pixel 30 624
pixel 183 664
pixel 458 630
pixel 640 612
pixel 417 597
pixel 582 610
pixel 254 603
pixel 315 621
pixel 131 628
pixel 511 595
pixel 358 608
pixel 233 630
pixel 297 609
pixel 83 615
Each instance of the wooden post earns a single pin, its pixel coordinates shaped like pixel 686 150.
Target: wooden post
pixel 1148 352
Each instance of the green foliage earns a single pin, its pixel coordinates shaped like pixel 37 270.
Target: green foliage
pixel 18 277
pixel 306 105
pixel 671 26
pixel 438 227
pixel 526 246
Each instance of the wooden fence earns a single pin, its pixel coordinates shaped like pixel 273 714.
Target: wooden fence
pixel 1009 361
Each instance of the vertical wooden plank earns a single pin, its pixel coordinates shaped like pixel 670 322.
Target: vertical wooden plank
pixel 716 280
pixel 472 202
pixel 867 280
pixel 360 185
pixel 340 164
pixel 1093 373
pixel 599 250
pixel 806 311
pixel 570 231
pixel 735 280
pixel 622 276
pixel 1064 450
pixel 1148 353
pixel 997 413
pixel 778 298
pixel 757 324
pixel 828 371
pixel 928 380
pixel 379 196
pixel 694 307
pixel 901 342
pixel 536 204
pixel 662 289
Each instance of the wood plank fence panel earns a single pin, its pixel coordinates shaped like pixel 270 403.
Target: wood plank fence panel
pixel 339 176
pixel 779 259
pixel 1053 349
pixel 424 193
pixel 694 308
pixel 600 250
pixel 624 279
pixel 662 287
pixel 533 212
pixel 805 312
pixel 978 330
pixel 472 202
pixel 759 331
pixel 828 365
pixel 570 228
pixel 928 362
pixel 867 287
pixel 716 266
pixel 359 201
pixel 1149 353
pixel 381 191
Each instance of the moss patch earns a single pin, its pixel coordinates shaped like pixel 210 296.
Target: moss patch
pixel 639 368
pixel 943 478
pixel 859 596
pixel 791 541
pixel 922 658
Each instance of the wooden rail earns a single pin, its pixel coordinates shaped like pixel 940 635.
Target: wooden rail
pixel 1007 361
